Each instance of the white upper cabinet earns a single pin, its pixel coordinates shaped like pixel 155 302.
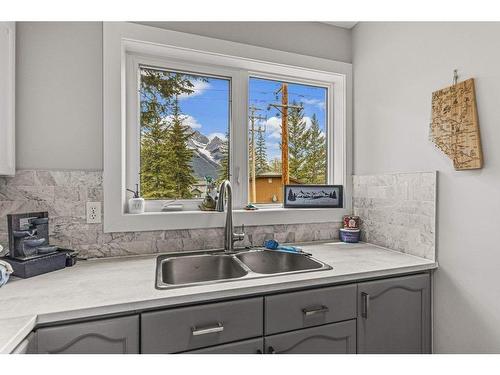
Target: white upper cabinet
pixel 7 97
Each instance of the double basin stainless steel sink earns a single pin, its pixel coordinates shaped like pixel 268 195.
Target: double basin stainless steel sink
pixel 198 268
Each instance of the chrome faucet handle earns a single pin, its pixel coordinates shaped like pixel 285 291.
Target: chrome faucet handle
pixel 239 236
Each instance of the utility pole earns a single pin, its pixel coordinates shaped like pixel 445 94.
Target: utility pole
pixel 285 177
pixel 283 108
pixel 253 118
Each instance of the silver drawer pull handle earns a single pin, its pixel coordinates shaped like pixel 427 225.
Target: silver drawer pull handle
pixel 366 304
pixel 206 330
pixel 319 310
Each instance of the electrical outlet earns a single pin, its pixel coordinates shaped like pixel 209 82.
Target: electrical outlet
pixel 93 212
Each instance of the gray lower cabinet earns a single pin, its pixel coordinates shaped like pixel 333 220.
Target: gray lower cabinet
pixel 381 316
pixel 394 315
pixel 107 336
pixel 337 338
pixel 254 346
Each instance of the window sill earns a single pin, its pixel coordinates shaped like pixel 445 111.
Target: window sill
pixel 149 221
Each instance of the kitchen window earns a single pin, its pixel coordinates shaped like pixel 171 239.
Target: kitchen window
pixel 186 118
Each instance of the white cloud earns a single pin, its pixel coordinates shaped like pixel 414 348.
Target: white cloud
pixel 218 135
pixel 198 89
pixel 273 126
pixel 315 102
pixel 187 120
pixel 191 121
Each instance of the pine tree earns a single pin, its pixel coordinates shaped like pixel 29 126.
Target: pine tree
pixel 261 164
pixel 297 142
pixel 180 171
pixel 315 158
pixel 155 150
pixel 224 161
pixel 155 162
pixel 158 92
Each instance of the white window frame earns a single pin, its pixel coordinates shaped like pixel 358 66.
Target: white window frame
pixel 126 45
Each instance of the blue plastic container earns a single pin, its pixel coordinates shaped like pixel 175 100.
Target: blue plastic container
pixel 350 235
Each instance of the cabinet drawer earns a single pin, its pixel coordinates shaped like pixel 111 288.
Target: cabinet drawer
pixel 107 336
pixel 253 346
pixel 336 338
pixel 289 311
pixel 194 327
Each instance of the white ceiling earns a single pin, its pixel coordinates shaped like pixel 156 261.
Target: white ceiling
pixel 343 24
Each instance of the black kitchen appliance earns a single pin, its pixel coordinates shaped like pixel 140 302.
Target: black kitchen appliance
pixel 30 252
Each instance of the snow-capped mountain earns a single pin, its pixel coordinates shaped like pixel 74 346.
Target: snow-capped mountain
pixel 207 154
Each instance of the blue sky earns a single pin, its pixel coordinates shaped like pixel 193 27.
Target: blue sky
pixel 207 109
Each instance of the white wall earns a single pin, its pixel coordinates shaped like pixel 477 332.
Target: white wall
pixel 396 68
pixel 59 81
pixel 307 38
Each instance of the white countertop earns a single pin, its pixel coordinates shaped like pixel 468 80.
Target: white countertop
pixel 119 285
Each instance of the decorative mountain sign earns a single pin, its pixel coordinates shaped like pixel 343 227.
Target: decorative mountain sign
pixel 455 126
pixel 313 196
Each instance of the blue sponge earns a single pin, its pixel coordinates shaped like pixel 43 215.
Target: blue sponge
pixel 274 245
pixel 271 244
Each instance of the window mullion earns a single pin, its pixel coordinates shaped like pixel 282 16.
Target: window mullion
pixel 239 149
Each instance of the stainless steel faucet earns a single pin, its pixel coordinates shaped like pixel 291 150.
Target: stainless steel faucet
pixel 225 191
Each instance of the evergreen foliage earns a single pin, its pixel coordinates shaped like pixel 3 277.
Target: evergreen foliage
pixel 158 91
pixel 155 161
pixel 180 171
pixel 297 143
pixel 261 165
pixel 315 158
pixel 165 158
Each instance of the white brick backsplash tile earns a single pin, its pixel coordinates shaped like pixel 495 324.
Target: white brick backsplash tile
pixel 64 194
pixel 398 211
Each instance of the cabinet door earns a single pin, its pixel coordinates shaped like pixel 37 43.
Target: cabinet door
pixel 254 346
pixel 394 315
pixel 337 338
pixel 27 346
pixel 107 336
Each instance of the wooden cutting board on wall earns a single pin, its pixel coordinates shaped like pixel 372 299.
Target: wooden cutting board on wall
pixel 455 125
